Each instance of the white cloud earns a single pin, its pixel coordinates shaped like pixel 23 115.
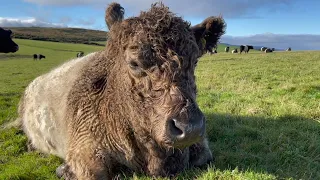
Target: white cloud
pixel 278 41
pixel 27 22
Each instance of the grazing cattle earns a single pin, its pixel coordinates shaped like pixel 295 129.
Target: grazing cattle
pixel 273 49
pixel 80 54
pixel 234 51
pixel 38 56
pixel 289 49
pixel 263 49
pixel 227 49
pixel 6 43
pixel 245 48
pixel 130 106
pixel 268 50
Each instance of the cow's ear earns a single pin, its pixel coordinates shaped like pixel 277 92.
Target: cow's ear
pixel 114 14
pixel 209 32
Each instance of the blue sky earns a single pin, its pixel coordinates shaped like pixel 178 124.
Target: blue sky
pixel 276 23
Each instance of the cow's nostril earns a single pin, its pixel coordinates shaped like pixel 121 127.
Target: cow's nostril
pixel 175 129
pixel 185 134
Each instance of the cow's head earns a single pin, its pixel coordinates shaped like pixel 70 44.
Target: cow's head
pixel 6 43
pixel 154 57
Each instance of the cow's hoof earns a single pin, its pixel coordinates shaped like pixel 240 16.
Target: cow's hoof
pixel 63 171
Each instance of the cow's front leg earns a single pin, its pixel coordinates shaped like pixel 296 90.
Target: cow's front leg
pixel 200 154
pixel 88 163
pixel 63 171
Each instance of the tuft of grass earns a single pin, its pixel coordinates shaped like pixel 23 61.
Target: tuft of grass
pixel 262 111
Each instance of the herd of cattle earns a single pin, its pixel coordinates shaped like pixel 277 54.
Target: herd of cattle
pixel 245 49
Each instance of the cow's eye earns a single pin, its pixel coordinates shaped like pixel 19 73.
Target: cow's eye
pixel 133 65
pixel 136 69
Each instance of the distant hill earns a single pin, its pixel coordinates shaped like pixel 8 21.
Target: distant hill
pixel 70 35
pixel 76 35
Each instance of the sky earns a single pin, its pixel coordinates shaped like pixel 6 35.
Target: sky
pixel 273 23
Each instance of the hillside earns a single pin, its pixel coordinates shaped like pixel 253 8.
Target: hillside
pixel 73 35
pixel 69 35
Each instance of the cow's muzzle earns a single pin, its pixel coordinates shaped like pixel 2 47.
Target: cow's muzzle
pixel 187 133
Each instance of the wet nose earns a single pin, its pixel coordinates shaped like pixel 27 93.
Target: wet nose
pixel 185 134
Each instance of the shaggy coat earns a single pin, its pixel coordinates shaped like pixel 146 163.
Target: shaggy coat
pixel 6 43
pixel 130 107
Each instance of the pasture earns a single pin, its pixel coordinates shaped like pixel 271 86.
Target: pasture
pixel 262 110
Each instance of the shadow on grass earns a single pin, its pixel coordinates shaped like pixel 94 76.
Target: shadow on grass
pixel 286 147
pixel 283 147
pixel 249 147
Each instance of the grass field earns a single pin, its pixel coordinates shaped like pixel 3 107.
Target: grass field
pixel 263 113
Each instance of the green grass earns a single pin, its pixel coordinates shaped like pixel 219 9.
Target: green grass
pixel 262 110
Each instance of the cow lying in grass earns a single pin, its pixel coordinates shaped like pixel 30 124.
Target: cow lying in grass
pixel 131 106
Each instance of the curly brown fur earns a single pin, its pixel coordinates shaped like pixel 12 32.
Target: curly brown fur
pixel 114 13
pixel 124 99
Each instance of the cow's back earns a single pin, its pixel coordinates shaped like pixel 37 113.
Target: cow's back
pixel 43 107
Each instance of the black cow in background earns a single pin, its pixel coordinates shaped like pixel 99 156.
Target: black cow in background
pixel 38 56
pixel 6 43
pixel 245 48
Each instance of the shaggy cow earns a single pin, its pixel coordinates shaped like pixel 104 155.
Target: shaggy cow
pixel 6 43
pixel 131 106
pixel 234 51
pixel 80 54
pixel 245 48
pixel 38 56
pixel 227 49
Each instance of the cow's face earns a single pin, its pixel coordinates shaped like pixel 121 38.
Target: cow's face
pixel 6 43
pixel 159 53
